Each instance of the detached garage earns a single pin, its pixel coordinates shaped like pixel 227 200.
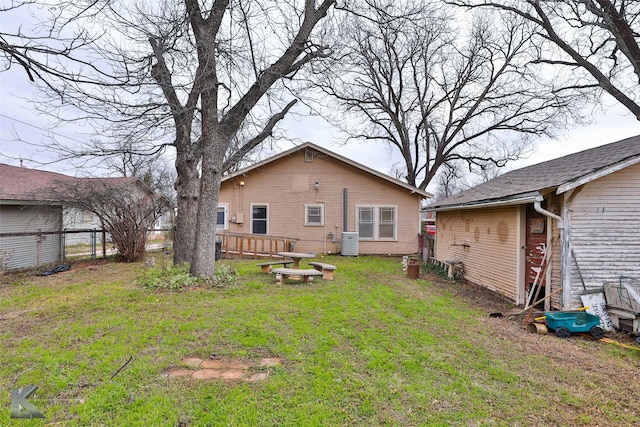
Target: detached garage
pixel 557 229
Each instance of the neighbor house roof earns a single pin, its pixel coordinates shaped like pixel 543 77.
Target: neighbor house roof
pixel 19 183
pixel 324 151
pixel 559 175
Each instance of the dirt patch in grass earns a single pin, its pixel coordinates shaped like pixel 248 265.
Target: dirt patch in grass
pixel 95 271
pixel 25 317
pixel 476 296
pixel 228 370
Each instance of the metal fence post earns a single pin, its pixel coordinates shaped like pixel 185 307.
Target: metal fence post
pixel 93 243
pixel 63 246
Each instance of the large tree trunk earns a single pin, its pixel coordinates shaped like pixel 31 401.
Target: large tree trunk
pixel 187 188
pixel 203 259
pixel 212 145
pixel 219 127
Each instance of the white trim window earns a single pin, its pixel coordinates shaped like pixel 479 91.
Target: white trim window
pixel 377 222
pixel 259 219
pixel 222 214
pixel 314 215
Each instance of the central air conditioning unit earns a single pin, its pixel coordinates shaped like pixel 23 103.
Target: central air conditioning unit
pixel 349 243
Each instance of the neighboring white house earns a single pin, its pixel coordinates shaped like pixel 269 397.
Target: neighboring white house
pixel 27 206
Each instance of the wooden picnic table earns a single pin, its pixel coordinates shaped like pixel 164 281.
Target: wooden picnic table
pixel 296 257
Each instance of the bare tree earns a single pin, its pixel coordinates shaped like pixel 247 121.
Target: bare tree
pixel 450 181
pixel 452 178
pixel 199 74
pixel 591 43
pixel 438 91
pixel 126 207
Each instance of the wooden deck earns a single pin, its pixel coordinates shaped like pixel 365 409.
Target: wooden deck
pixel 256 246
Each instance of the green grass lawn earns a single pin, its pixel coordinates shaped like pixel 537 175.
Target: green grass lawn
pixel 369 348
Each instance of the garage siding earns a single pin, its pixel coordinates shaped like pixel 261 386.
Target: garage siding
pixel 29 251
pixel 486 240
pixel 605 228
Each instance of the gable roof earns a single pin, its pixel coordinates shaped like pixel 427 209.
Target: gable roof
pixel 19 183
pixel 309 145
pixel 559 175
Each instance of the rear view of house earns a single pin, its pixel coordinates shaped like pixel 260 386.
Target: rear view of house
pixel 327 203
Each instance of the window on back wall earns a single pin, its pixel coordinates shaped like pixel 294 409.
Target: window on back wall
pixel 314 215
pixel 365 223
pixel 377 222
pixel 386 223
pixel 259 219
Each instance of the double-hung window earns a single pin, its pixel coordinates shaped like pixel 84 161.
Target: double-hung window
pixel 314 215
pixel 259 219
pixel 366 224
pixel 386 223
pixel 377 222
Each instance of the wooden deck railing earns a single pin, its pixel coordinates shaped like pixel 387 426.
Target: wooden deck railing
pixel 254 245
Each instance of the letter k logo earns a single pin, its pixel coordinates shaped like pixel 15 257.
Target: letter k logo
pixel 21 407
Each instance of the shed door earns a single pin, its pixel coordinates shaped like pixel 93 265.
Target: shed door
pixel 536 247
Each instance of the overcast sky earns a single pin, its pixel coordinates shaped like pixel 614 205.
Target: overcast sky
pixel 613 125
pixel 19 121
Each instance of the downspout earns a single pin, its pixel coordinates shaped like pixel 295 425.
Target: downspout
pixel 537 205
pixel 344 209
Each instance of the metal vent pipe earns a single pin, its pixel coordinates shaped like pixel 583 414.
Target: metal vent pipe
pixel 344 209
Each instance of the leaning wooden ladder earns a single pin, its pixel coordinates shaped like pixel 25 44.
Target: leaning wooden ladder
pixel 532 300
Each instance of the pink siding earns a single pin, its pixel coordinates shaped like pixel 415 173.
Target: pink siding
pixel 285 185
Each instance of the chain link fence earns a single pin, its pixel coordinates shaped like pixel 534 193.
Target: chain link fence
pixel 36 249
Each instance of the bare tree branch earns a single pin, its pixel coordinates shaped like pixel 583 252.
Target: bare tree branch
pixel 54 50
pixel 440 93
pixel 204 78
pixel 595 40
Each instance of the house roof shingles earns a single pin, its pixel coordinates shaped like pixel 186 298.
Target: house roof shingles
pixel 24 184
pixel 542 177
pixel 20 183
